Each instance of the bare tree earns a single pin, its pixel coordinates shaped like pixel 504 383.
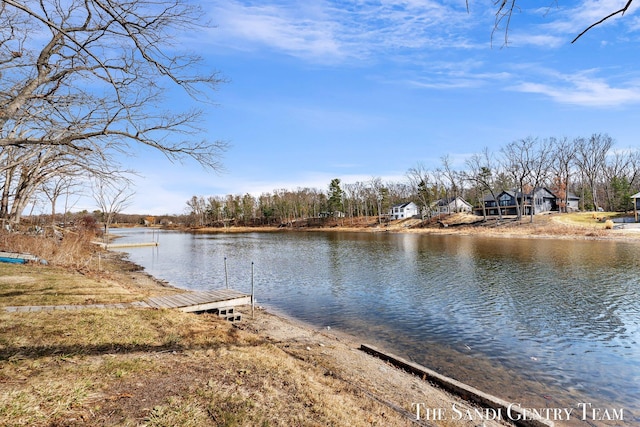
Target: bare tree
pixel 483 173
pixel 540 165
pixel 420 181
pixel 112 197
pixel 591 159
pixel 563 158
pixel 27 170
pixel 56 187
pixel 96 81
pixel 198 208
pixel 93 80
pixel 452 191
pixel 517 157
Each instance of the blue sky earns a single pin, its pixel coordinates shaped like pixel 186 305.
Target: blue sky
pixel 353 90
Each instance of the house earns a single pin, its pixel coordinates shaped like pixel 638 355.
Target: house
pixel 636 205
pixel 451 205
pixel 573 202
pixel 334 214
pixel 541 199
pixel 403 210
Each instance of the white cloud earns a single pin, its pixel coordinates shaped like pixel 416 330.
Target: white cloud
pixel 300 33
pixel 584 89
pixel 457 75
pixel 331 31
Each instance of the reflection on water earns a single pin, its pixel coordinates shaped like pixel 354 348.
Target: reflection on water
pixel 547 322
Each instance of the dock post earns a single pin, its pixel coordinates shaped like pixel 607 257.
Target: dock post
pixel 253 300
pixel 226 276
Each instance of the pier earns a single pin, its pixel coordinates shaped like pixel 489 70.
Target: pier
pixel 125 245
pixel 221 301
pixel 201 301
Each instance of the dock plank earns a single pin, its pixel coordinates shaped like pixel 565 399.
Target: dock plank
pixel 200 301
pixel 187 301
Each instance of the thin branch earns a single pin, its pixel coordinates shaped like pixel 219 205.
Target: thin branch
pixel 621 11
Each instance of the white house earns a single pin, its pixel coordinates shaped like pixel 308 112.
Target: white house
pixel 451 205
pixel 403 210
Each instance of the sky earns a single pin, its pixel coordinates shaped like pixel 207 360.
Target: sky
pixel 354 90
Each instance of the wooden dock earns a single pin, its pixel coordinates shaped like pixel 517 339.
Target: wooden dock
pixel 222 300
pixel 201 301
pixel 125 245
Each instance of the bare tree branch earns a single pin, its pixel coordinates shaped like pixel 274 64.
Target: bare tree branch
pixel 617 12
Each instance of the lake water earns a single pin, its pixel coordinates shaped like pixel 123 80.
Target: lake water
pixel 539 322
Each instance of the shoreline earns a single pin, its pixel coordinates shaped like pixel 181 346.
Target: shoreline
pixel 342 357
pixel 544 227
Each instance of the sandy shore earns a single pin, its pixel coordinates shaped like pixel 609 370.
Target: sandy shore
pixel 340 357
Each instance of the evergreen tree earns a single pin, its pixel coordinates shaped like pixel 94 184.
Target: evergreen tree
pixel 335 196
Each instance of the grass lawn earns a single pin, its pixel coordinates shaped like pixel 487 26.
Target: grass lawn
pixel 44 285
pixel 588 219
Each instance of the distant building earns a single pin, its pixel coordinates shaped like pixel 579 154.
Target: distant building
pixel 335 214
pixel 403 211
pixel 636 205
pixel 573 202
pixel 451 205
pixel 541 200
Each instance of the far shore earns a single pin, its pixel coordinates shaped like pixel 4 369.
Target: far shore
pixel 581 226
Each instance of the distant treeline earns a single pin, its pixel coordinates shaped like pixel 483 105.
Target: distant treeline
pixel 590 168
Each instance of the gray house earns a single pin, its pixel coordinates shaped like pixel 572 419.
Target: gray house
pixel 573 202
pixel 541 200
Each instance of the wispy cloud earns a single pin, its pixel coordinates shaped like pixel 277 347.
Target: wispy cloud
pixel 585 89
pixel 303 32
pixel 331 31
pixel 469 73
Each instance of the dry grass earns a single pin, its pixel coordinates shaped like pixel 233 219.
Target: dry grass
pixel 40 285
pixel 77 272
pixel 594 220
pixel 73 250
pixel 162 368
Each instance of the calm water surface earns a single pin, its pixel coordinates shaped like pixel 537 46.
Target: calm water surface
pixel 544 323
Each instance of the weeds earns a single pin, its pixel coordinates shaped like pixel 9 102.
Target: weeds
pixel 73 249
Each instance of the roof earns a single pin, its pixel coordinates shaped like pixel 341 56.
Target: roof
pixel 401 205
pixel 448 200
pixel 518 194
